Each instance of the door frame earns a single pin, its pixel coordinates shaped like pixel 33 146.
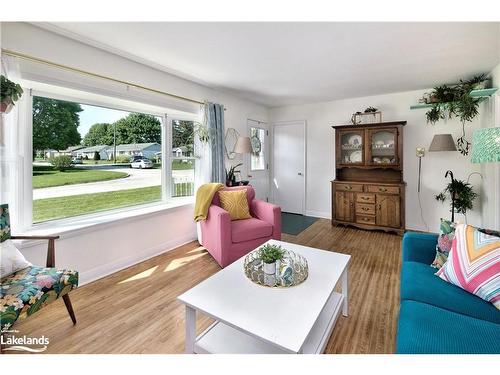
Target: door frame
pixel 304 132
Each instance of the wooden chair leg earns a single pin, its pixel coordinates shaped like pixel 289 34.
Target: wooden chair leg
pixel 69 307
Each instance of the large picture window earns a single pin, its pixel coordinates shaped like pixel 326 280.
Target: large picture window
pixel 89 159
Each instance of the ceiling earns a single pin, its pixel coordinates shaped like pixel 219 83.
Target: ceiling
pixel 279 64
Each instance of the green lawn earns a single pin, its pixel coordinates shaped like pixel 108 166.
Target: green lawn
pixel 179 165
pixel 61 207
pixel 47 177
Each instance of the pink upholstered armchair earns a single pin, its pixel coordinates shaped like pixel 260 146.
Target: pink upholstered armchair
pixel 229 240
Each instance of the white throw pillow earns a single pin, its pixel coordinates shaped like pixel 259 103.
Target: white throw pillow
pixel 11 259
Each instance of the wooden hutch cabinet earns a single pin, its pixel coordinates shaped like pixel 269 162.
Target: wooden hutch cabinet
pixel 368 191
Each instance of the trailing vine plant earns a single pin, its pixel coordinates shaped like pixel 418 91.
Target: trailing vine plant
pixel 450 101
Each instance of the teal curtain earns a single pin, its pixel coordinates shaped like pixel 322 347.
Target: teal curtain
pixel 215 119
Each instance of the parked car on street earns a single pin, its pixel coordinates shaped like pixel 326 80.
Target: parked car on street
pixel 76 161
pixel 141 163
pixel 136 158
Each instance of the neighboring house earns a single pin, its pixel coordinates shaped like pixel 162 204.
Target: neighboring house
pixel 148 150
pixel 50 153
pixel 89 152
pixel 71 151
pixel 179 152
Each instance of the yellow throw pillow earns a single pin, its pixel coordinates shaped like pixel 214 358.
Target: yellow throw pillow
pixel 235 202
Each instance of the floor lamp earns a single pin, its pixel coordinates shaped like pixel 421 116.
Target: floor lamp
pixel 445 142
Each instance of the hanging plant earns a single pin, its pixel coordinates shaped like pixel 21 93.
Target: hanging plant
pixel 450 101
pixel 201 131
pixel 10 92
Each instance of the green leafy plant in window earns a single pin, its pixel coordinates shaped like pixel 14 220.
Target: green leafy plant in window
pixel 202 132
pixel 10 92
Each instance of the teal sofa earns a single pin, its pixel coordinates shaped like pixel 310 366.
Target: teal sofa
pixel 438 317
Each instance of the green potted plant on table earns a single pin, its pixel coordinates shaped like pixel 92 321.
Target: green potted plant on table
pixel 231 175
pixel 269 254
pixel 10 92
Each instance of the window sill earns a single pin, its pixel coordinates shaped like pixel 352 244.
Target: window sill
pixel 77 225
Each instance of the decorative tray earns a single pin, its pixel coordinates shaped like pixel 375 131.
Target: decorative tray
pixel 292 270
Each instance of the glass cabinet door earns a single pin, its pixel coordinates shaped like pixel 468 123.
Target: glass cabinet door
pixel 383 147
pixel 351 147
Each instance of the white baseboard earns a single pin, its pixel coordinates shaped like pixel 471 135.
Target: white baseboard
pixel 141 255
pixel 320 214
pixel 416 227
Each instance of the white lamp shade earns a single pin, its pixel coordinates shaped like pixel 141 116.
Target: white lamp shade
pixel 243 145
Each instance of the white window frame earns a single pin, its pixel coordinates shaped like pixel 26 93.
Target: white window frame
pixel 171 157
pixel 25 196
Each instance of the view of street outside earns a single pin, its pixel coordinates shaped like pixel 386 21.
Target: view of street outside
pixel 97 180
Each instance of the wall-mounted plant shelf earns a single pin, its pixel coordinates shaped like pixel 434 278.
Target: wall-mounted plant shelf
pixel 482 94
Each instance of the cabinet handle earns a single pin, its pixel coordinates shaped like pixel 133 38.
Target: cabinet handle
pixel 364 208
pixel 365 198
pixel 382 190
pixel 348 187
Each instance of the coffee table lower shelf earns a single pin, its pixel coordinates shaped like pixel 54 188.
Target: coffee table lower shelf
pixel 223 339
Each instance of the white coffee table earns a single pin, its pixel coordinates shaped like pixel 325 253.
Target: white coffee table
pixel 255 319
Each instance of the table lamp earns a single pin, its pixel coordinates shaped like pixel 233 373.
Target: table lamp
pixel 486 145
pixel 243 146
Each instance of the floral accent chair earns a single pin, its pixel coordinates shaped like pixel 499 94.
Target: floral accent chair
pixel 26 291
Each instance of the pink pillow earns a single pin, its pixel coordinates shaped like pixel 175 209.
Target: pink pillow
pixel 474 263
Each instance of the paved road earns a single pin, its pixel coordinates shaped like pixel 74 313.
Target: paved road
pixel 138 178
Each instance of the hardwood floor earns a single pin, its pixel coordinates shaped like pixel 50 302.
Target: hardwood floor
pixel 136 311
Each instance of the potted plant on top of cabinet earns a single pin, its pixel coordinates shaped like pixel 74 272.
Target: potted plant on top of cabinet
pixel 10 92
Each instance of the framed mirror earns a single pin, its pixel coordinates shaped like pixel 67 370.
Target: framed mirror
pixel 230 141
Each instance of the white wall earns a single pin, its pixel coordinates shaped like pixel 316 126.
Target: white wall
pixel 112 246
pixel 321 163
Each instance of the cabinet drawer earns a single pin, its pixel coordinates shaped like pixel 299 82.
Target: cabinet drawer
pixel 365 219
pixel 365 209
pixel 382 189
pixel 348 187
pixel 365 198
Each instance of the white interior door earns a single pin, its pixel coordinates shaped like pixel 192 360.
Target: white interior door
pixel 289 166
pixel 258 160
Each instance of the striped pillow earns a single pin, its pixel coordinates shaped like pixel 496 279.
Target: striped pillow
pixel 474 263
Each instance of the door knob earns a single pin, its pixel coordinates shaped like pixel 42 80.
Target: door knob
pixel 300 173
